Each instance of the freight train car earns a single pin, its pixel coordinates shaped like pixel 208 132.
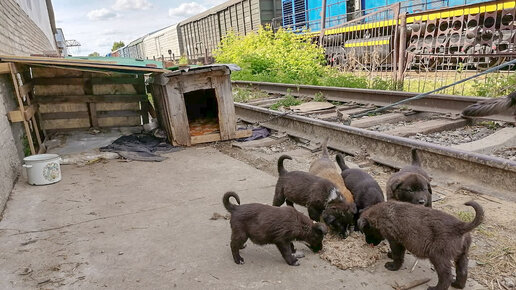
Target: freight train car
pixel 469 34
pixel 158 44
pixel 135 48
pixel 202 33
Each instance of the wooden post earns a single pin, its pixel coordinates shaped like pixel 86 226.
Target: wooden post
pixel 92 107
pixel 177 112
pixel 227 118
pixel 20 104
pixel 323 22
pixel 402 50
pixel 395 45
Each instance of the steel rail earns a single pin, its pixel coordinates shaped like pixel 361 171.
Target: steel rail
pixel 481 173
pixel 433 103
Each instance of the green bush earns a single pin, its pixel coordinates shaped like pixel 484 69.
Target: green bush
pixel 494 85
pixel 278 57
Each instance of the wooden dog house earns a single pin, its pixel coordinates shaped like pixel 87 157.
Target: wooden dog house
pixel 195 104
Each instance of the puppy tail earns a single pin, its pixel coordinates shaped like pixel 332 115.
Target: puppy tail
pixel 281 169
pixel 415 158
pixel 479 217
pixel 340 161
pixel 324 147
pixel 490 106
pixel 228 205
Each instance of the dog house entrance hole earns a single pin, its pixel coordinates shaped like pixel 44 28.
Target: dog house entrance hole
pixel 202 111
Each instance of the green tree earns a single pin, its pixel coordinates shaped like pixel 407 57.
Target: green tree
pixel 117 45
pixel 94 54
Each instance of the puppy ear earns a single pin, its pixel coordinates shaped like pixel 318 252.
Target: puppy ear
pixel 429 187
pixel 362 223
pixel 394 185
pixel 329 219
pixel 321 228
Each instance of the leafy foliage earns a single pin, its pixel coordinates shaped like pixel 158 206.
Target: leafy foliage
pixel 267 56
pixel 94 54
pixel 288 101
pixel 117 45
pixel 494 85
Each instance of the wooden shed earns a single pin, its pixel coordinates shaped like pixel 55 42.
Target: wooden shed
pixel 56 94
pixel 195 104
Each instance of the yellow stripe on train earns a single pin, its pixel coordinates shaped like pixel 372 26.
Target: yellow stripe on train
pixel 465 11
pixel 367 43
pixel 425 17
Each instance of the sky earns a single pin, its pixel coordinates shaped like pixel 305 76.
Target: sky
pixel 96 24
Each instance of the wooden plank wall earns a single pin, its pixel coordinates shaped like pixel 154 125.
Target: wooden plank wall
pixel 70 99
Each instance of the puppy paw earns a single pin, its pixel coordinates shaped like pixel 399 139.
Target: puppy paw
pixel 239 261
pixel 391 266
pixel 298 254
pixel 458 285
pixel 295 263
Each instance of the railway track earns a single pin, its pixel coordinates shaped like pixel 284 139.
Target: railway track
pixel 388 137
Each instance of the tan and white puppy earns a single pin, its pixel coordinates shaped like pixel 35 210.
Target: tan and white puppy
pixel 324 167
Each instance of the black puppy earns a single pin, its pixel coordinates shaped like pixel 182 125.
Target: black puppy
pixel 365 190
pixel 410 184
pixel 426 233
pixel 319 195
pixel 265 224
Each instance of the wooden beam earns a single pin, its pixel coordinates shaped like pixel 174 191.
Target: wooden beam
pixel 20 104
pixel 26 88
pixel 119 113
pixel 125 80
pixel 15 116
pixel 90 99
pixel 19 116
pixel 4 68
pixel 65 115
pixel 59 81
pixel 29 112
pixel 81 81
pixel 85 114
pixel 216 136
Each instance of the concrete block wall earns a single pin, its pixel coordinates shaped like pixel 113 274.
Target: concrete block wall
pixel 19 35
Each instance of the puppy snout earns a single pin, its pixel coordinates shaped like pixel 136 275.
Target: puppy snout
pixel 422 201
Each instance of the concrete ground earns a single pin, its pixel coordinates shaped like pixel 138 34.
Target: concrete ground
pixel 137 225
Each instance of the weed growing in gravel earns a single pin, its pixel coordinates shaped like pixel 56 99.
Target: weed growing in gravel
pixel 288 101
pixel 319 97
pixel 243 95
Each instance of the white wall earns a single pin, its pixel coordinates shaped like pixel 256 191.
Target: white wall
pixel 38 13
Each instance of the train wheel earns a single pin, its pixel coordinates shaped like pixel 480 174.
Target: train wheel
pixel 484 61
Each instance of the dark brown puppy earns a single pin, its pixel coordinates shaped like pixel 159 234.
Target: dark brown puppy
pixel 265 224
pixel 410 184
pixel 365 190
pixel 426 233
pixel 319 195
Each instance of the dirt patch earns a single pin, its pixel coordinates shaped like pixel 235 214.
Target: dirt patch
pixel 352 252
